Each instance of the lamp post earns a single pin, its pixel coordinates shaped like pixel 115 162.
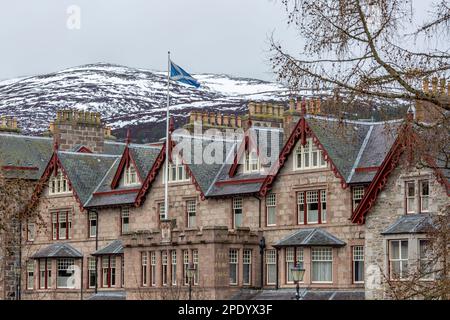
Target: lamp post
pixel 190 275
pixel 297 274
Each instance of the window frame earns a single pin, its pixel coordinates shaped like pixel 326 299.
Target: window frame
pixel 408 197
pixel 152 269
pixel 93 216
pixel 131 177
pixel 421 196
pixel 313 261
pixel 110 273
pixel 309 149
pixel 400 259
pixel 233 262
pixel 189 205
pixel 57 182
pixel 31 232
pixel 31 269
pixel 271 204
pixel 173 267
pixel 302 200
pixel 247 256
pixel 358 255
pixel 92 271
pixel 144 264
pixel 176 167
pixel 57 222
pixel 252 163
pixel 271 262
pixel 357 195
pixel 124 214
pixel 70 262
pixel 235 202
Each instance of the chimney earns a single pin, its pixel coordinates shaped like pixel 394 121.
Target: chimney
pixel 205 118
pixel 239 122
pixel 74 128
pixel 428 112
pixel 9 124
pixel 232 120
pixel 291 105
pixel 226 120
pixel 219 119
pixel 251 108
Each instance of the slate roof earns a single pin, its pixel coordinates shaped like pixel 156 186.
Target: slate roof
pixel 310 237
pixel 58 250
pixel 144 156
pixel 85 171
pixel 410 223
pixel 23 151
pixel 114 247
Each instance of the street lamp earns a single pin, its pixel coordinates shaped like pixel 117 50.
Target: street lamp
pixel 297 274
pixel 190 272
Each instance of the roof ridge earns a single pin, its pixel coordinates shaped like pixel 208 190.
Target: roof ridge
pixel 360 153
pixel 24 136
pixel 88 154
pixel 353 121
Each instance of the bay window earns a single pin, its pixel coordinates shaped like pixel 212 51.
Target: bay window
pixel 358 264
pixel 271 259
pixel 66 272
pixel 308 157
pixel 247 262
pixel 233 266
pixel 398 259
pixel 108 271
pixel 92 272
pixel 61 225
pixel 271 207
pixel 30 274
pixel 322 264
pixel 45 273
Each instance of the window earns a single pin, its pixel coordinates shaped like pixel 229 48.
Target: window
pixel 61 225
pixel 185 266
pixel 358 264
pixel 66 272
pixel 31 231
pixel 177 171
pixel 131 177
pixel 122 272
pixel 424 196
pixel 162 210
pixel 271 208
pixel 153 268
pixel 247 262
pixel 196 266
pixel 425 260
pixel 237 212
pixel 410 197
pixel 315 210
pixel 233 263
pixel 92 269
pixel 357 195
pixel 108 271
pixel 322 264
pixel 289 253
pixel 271 267
pixel 191 213
pixel 59 184
pixel 251 162
pixel 30 274
pixel 308 157
pixel 92 224
pixel 125 219
pixel 164 261
pixel 398 259
pixel 174 267
pixel 144 261
pixel 45 273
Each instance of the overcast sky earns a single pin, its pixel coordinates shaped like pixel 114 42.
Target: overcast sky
pixel 217 36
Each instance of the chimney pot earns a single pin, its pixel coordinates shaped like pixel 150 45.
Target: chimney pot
pixel 434 83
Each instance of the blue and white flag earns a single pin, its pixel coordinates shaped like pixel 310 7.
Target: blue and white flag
pixel 178 74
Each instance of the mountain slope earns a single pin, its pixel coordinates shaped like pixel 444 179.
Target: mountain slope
pixel 126 97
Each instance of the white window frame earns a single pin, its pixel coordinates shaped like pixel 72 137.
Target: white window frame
pixel 185 266
pixel 67 265
pixel 162 210
pixel 153 268
pixel 144 264
pixel 173 270
pixel 357 195
pixel 31 266
pixel 164 267
pixel 410 198
pixel 92 271
pixel 238 204
pixel 321 255
pixel 252 163
pixel 191 213
pixel 289 257
pixel 195 262
pixel 131 177
pixel 125 215
pixel 93 229
pixel 400 259
pixel 247 261
pixel 271 262
pixel 424 196
pixel 233 262
pixel 177 171
pixel 31 231
pixel 59 184
pixel 271 209
pixel 357 256
pixel 309 151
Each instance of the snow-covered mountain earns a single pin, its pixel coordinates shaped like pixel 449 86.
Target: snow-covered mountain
pixel 126 97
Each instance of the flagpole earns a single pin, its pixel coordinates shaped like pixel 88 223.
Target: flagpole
pixel 166 176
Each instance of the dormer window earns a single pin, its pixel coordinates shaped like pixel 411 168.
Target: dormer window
pixel 177 171
pixel 59 184
pixel 251 162
pixel 308 157
pixel 131 176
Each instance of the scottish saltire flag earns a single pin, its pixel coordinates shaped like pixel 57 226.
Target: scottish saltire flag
pixel 177 73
